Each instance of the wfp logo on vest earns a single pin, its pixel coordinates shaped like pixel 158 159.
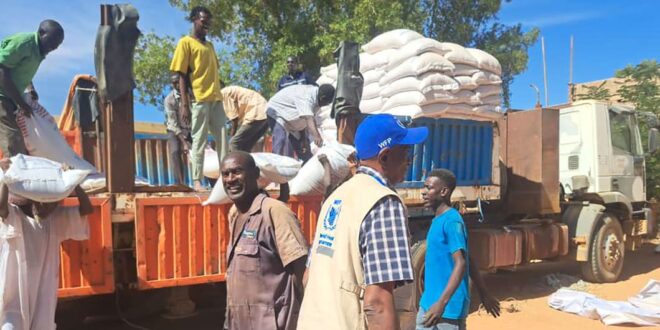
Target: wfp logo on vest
pixel 385 143
pixel 330 220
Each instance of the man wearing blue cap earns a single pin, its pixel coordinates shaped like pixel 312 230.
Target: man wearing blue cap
pixel 361 247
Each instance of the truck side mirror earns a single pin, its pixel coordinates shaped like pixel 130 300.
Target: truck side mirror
pixel 653 140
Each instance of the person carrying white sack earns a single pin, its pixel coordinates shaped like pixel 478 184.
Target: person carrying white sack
pixel 30 237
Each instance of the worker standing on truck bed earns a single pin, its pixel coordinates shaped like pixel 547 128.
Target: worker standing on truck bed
pixel 30 237
pixel 246 110
pixel 178 133
pixel 294 76
pixel 361 249
pixel 20 57
pixel 291 118
pixel 446 299
pixel 266 253
pixel 195 58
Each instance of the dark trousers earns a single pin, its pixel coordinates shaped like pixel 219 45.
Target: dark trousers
pixel 286 144
pixel 247 135
pixel 11 139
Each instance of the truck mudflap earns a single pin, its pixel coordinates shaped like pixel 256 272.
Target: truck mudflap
pixel 180 242
pixel 86 267
pixel 581 219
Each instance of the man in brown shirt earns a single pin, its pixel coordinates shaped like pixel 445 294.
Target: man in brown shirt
pixel 246 109
pixel 266 254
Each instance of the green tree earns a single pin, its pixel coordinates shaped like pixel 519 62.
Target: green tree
pixel 257 36
pixel 595 93
pixel 151 67
pixel 641 87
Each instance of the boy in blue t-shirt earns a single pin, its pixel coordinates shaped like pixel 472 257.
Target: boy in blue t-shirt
pixel 446 298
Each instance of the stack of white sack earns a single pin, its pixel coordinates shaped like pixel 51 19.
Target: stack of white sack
pixel 43 139
pixel 407 74
pixel 40 179
pixel 273 169
pixel 309 181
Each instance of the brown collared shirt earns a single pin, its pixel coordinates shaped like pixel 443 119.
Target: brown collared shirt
pixel 261 291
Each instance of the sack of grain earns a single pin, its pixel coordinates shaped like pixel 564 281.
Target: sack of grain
pixel 418 65
pixel 372 76
pixel 416 48
pixel 464 70
pixel 486 78
pixel 460 55
pixel 437 109
pixel 371 105
pixel 412 111
pixel 370 91
pixel 466 82
pixel 486 61
pixel 437 81
pixel 405 98
pixel 309 181
pixel 488 90
pixel 391 39
pixel 40 179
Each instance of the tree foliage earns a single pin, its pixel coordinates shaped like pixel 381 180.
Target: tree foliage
pixel 153 54
pixel 641 87
pixel 599 92
pixel 257 36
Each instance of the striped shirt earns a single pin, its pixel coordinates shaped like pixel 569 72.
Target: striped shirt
pixel 384 242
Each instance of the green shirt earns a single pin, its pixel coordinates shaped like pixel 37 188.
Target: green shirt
pixel 20 53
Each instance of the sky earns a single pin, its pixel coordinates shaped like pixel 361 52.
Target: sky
pixel 608 35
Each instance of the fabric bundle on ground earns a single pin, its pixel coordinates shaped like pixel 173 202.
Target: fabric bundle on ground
pixel 642 309
pixel 407 74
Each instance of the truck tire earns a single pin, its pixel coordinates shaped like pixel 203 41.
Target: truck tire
pixel 606 251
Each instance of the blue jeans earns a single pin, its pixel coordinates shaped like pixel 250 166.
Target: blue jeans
pixel 445 324
pixel 286 144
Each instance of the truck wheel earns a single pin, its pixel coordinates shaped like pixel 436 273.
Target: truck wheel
pixel 606 251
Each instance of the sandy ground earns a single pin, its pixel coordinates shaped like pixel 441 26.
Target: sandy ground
pixel 524 295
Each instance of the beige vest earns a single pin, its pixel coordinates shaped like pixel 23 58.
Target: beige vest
pixel 335 286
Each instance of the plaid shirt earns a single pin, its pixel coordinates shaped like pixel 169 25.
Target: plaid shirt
pixel 384 241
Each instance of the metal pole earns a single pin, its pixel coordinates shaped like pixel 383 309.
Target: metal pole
pixel 545 72
pixel 570 73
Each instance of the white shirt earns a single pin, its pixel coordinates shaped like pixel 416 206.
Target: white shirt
pixel 292 106
pixel 29 265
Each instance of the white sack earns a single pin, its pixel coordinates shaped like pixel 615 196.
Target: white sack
pixel 487 108
pixel 461 97
pixel 406 84
pixel 405 98
pixel 643 309
pixel 211 167
pixel 491 100
pixel 40 179
pixel 486 78
pixel 488 90
pixel 330 71
pixel 371 91
pixel 460 55
pixel 371 105
pixel 323 79
pixel 372 61
pixel 390 39
pixel 309 180
pixel 415 48
pixel 418 65
pixel 466 82
pixel 405 110
pixel 43 138
pixel 464 70
pixel 436 109
pixel 272 167
pixel 434 81
pixel 486 61
pixel 372 76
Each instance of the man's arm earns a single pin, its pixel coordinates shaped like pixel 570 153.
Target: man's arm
pixel 184 105
pixel 434 314
pixel 314 131
pixel 379 306
pixel 85 205
pixel 7 85
pixel 4 201
pixel 491 304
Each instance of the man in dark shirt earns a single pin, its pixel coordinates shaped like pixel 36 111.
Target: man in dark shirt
pixel 294 76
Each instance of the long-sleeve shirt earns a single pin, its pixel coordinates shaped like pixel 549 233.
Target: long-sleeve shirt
pixel 242 103
pixel 172 121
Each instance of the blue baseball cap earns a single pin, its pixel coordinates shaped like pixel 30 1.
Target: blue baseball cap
pixel 377 132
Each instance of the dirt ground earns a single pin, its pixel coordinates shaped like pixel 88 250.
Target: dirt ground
pixel 524 294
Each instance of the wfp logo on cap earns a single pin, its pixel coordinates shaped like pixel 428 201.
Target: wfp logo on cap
pixel 385 143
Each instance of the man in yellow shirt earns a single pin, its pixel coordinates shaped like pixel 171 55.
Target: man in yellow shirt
pixel 246 109
pixel 197 64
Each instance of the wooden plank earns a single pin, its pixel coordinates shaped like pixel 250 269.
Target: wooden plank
pixel 208 238
pixel 151 242
pixel 120 157
pixel 223 234
pixel 215 237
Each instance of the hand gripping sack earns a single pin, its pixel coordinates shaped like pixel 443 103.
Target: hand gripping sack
pixel 309 180
pixel 40 179
pixel 390 39
pixel 43 138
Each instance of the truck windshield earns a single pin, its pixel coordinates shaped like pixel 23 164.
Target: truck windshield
pixel 624 133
